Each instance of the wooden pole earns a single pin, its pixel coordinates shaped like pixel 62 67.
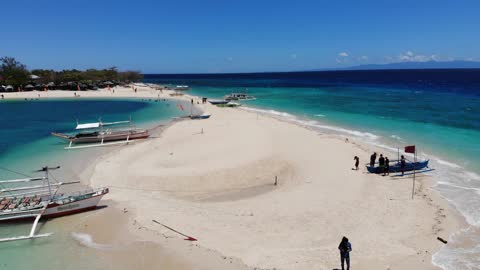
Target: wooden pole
pixel 414 164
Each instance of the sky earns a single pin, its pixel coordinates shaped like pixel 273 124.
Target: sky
pixel 206 36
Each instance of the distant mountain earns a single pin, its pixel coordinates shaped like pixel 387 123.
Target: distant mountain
pixel 418 65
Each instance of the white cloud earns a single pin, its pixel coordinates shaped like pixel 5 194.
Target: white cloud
pixel 409 56
pixel 343 54
pixel 363 58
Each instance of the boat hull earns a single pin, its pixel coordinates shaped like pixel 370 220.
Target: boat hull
pixel 55 209
pixel 120 136
pixel 218 102
pixel 409 166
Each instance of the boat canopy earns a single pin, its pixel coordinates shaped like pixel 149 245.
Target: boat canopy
pixel 88 125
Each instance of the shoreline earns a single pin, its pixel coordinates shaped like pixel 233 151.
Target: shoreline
pixel 286 168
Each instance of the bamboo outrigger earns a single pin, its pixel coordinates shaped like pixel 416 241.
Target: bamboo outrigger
pixel 96 134
pixel 41 201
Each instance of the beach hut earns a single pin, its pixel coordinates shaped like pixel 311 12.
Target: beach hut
pixel 28 87
pixel 51 86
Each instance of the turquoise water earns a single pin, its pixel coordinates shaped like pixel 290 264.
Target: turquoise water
pixel 26 145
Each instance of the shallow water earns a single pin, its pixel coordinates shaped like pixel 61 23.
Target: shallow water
pixel 26 145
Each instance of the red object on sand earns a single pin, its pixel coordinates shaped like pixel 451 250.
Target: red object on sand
pixel 190 239
pixel 410 149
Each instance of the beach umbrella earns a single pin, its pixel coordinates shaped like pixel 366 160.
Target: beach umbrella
pixel 34 77
pixel 28 87
pixel 9 88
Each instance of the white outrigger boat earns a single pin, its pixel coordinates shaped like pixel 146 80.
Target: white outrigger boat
pixel 96 134
pixel 239 96
pixel 42 201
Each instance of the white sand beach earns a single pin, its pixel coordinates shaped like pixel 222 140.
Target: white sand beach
pixel 214 180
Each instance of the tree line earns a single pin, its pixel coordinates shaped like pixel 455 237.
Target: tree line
pixel 15 74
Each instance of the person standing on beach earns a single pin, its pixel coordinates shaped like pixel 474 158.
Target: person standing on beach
pixel 381 163
pixel 373 157
pixel 357 161
pixel 387 167
pixel 403 164
pixel 345 247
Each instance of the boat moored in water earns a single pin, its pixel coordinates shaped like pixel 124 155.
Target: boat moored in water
pixel 182 87
pixel 104 133
pixel 217 101
pixel 239 96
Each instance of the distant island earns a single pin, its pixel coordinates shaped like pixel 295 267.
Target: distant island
pixel 458 64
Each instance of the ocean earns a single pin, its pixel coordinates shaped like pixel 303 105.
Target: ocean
pixel 436 110
pixel 26 145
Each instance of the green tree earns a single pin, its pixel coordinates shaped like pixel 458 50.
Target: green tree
pixel 13 72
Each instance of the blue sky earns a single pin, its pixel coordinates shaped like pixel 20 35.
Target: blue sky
pixel 236 36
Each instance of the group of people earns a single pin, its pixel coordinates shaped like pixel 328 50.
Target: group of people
pixel 383 163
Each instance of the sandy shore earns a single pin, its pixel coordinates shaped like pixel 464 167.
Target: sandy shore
pixel 214 180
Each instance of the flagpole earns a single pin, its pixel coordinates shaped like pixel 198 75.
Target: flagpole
pixel 414 164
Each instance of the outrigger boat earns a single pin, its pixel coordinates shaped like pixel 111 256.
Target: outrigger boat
pixel 98 133
pixel 200 116
pixel 396 167
pixel 182 87
pixel 218 102
pixel 239 96
pixel 42 201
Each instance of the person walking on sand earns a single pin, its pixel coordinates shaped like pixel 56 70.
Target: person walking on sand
pixel 386 171
pixel 345 247
pixel 373 157
pixel 403 164
pixel 357 161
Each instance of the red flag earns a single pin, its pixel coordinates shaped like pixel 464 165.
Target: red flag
pixel 410 149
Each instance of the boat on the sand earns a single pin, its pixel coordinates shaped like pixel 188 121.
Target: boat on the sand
pixel 396 167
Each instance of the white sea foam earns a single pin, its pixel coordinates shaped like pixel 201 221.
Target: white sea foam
pixel 87 240
pixel 270 112
pixel 341 130
pixel 313 124
pixel 396 137
pixel 446 163
pixel 320 115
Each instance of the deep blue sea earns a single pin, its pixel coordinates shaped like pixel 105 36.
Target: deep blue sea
pixel 26 145
pixel 436 110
